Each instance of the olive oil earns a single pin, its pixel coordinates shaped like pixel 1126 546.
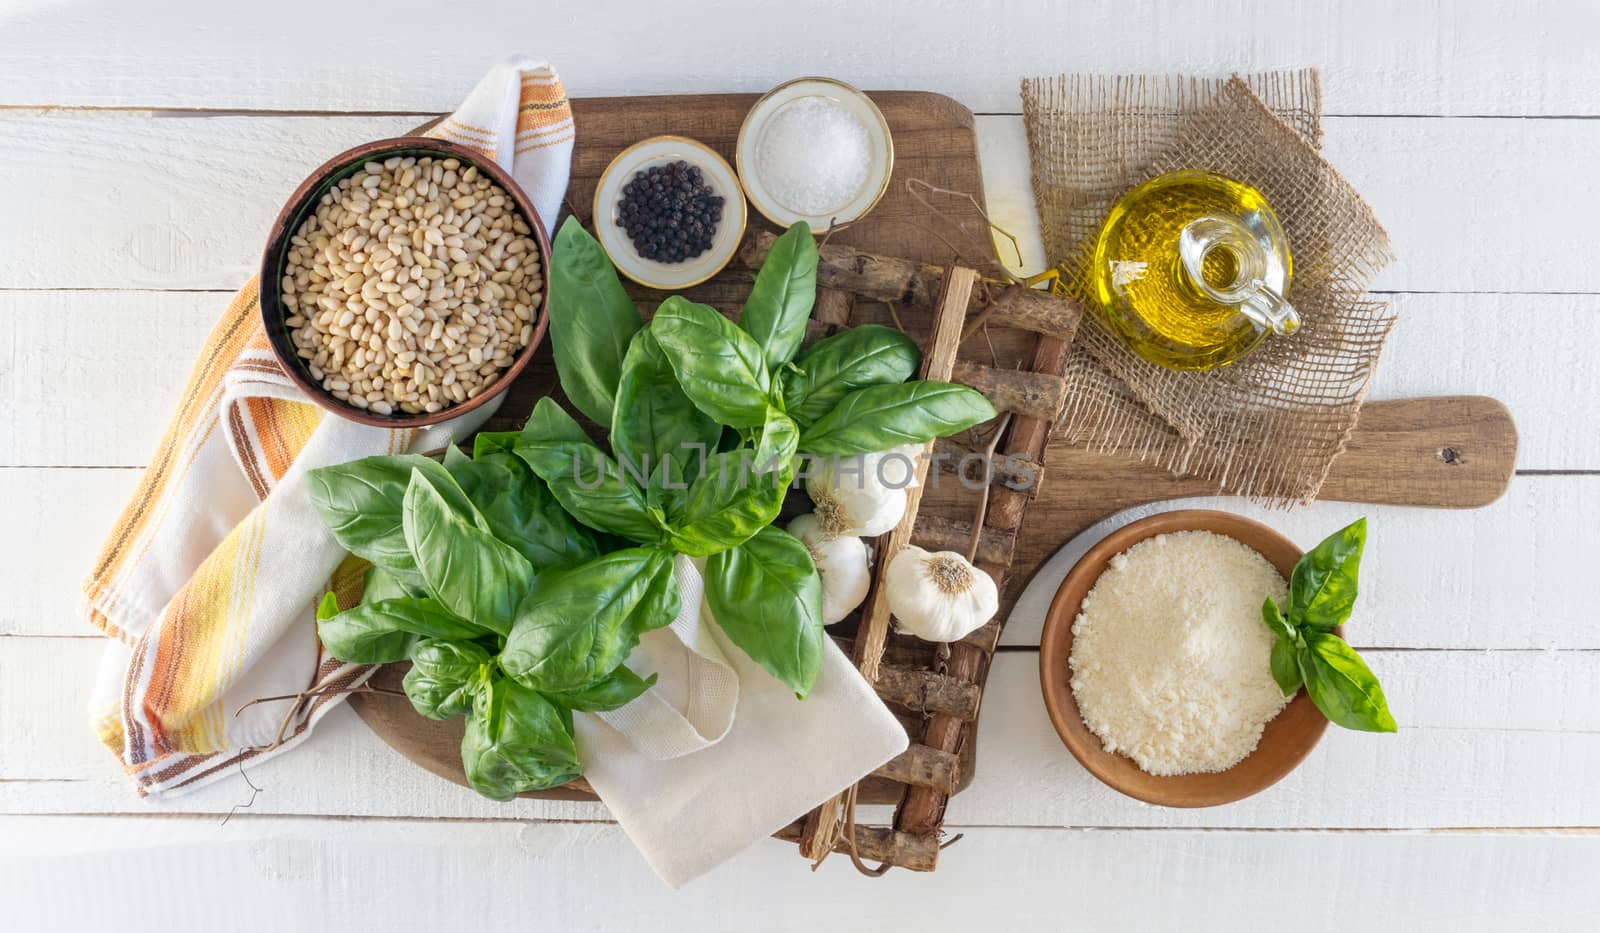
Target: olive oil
pixel 1189 270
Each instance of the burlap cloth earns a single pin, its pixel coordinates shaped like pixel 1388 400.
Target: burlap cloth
pixel 1270 425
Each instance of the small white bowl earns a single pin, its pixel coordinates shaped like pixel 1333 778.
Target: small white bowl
pixel 646 154
pixel 880 147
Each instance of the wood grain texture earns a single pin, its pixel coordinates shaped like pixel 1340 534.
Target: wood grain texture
pixel 119 401
pixel 1437 579
pixel 1501 735
pixel 926 691
pixel 938 363
pixel 304 874
pixel 1488 739
pixel 923 810
pixel 1452 452
pixel 203 227
pixel 921 766
pixel 1496 572
pixel 1477 735
pixel 1495 57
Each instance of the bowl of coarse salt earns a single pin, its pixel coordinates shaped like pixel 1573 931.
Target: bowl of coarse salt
pixel 817 150
pixel 1156 665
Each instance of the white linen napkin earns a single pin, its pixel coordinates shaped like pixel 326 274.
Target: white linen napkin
pixel 779 758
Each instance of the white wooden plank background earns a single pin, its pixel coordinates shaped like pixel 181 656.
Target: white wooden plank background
pixel 147 147
pixel 1501 57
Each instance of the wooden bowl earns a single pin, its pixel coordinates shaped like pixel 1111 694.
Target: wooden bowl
pixel 1286 740
pixel 303 202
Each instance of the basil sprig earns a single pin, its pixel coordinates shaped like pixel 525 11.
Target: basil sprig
pixel 1322 592
pixel 519 579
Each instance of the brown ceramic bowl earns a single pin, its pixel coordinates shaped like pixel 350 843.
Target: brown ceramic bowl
pixel 301 204
pixel 1286 740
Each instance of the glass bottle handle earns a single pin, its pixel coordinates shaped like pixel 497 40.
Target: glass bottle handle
pixel 1269 309
pixel 1252 296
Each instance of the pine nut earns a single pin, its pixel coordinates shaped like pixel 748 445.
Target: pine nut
pixel 412 285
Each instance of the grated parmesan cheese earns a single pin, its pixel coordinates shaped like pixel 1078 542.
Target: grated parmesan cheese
pixel 1170 659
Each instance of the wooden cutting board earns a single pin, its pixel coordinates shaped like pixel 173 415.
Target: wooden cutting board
pixel 934 141
pixel 1438 452
pixel 1450 452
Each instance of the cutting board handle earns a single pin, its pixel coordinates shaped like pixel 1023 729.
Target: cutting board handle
pixel 1452 451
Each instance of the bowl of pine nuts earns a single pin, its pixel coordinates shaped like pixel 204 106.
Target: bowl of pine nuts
pixel 404 282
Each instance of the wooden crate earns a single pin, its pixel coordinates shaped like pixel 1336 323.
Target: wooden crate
pixel 937 689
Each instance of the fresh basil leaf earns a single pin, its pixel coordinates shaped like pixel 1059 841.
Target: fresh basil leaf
pixel 589 485
pixel 361 503
pixel 522 512
pixel 384 631
pixel 880 417
pixel 869 355
pixel 593 489
pixel 1286 666
pixel 779 305
pixel 380 584
pixel 780 438
pixel 494 442
pixel 1276 623
pixel 666 494
pixel 591 321
pixel 1322 589
pixel 328 606
pixel 767 597
pixel 516 741
pixel 654 421
pixel 731 502
pixel 579 623
pixel 615 691
pixel 471 572
pixel 720 367
pixel 445 677
pixel 1342 685
pixel 550 422
pixel 454 458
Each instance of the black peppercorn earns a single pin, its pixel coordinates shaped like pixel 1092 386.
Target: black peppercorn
pixel 669 212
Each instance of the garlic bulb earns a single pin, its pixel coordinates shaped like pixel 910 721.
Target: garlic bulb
pixel 939 597
pixel 843 563
pixel 865 494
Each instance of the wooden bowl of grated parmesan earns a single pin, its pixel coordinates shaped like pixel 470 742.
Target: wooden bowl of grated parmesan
pixel 1172 661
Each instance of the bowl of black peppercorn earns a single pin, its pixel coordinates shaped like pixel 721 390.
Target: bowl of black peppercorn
pixel 669 212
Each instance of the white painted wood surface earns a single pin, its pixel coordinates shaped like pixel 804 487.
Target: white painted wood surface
pixel 146 148
pixel 1052 879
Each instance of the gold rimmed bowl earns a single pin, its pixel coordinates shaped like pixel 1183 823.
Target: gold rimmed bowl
pixel 880 153
pixel 718 176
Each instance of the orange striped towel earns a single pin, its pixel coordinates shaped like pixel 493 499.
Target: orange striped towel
pixel 207 584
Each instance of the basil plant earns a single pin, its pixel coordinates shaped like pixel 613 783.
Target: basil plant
pixel 517 580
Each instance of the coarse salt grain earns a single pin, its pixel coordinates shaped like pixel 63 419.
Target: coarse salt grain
pixel 813 156
pixel 1170 659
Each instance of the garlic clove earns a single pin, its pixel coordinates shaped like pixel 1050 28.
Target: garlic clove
pixel 897 466
pixel 850 499
pixel 939 596
pixel 843 562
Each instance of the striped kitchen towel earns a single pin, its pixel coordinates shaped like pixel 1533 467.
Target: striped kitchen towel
pixel 206 587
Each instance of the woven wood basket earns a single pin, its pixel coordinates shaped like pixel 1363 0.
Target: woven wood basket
pixel 936 690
